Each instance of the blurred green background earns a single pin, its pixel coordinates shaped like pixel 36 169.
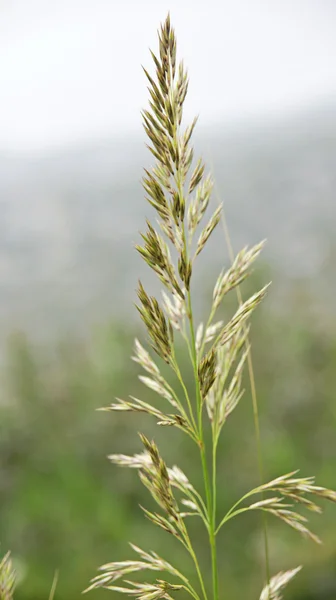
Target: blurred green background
pixel 64 506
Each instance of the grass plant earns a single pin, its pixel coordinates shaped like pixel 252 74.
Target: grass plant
pixel 179 191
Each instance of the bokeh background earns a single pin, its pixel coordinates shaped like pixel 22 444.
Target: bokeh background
pixel 72 151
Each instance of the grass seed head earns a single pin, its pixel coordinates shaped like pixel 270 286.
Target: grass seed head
pixel 7 578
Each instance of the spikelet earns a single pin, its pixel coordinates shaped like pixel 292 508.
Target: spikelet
pixel 7 578
pixel 273 590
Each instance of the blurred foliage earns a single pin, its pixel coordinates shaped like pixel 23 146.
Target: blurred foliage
pixel 63 506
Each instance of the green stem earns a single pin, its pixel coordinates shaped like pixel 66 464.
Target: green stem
pixel 180 378
pixel 213 523
pixel 194 557
pixel 191 591
pixel 232 511
pixel 255 410
pixel 209 321
pixel 191 551
pixel 234 514
pixel 211 507
pixel 192 426
pixel 197 499
pixel 53 586
pixel 188 587
pixel 254 400
pixel 185 337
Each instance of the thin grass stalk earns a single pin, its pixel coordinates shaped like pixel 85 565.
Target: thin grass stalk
pixel 210 494
pixel 53 586
pixel 254 400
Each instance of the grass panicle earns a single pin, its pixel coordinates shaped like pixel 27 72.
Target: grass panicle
pixel 179 190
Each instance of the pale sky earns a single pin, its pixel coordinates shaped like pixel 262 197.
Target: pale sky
pixel 70 70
